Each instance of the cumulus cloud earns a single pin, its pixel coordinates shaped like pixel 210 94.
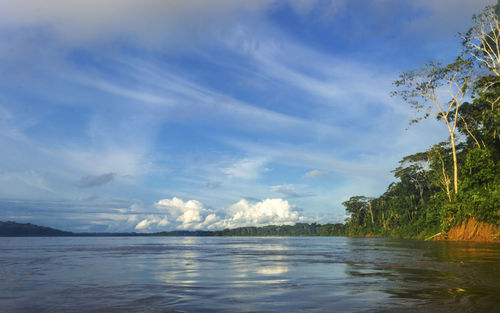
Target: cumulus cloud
pixel 152 222
pixel 189 215
pixel 93 181
pixel 246 168
pixel 266 212
pixel 192 214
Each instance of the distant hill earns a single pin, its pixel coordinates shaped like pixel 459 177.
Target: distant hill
pixel 12 229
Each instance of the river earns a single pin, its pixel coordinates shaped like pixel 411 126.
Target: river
pixel 246 274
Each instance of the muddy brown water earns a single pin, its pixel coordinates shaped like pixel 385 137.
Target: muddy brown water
pixel 247 274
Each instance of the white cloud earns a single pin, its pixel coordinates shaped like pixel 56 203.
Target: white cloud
pixel 190 218
pixel 189 215
pixel 152 221
pixel 266 212
pixel 290 154
pixel 144 224
pixel 146 97
pixel 246 168
pixel 116 143
pixel 193 215
pixel 316 174
pixel 179 205
pixel 344 85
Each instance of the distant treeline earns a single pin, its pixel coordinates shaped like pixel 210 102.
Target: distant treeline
pixel 13 229
pixel 299 229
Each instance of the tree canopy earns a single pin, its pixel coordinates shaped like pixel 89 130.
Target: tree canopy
pixel 455 180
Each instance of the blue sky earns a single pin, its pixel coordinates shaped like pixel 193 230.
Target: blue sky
pixel 158 115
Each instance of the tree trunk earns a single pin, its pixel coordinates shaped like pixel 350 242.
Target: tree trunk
pixel 455 166
pixel 446 180
pixel 371 212
pixel 453 152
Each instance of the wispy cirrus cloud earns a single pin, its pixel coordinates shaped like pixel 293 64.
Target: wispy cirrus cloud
pixel 105 105
pixel 246 168
pixel 317 174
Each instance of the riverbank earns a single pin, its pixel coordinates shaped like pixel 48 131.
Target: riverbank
pixel 472 230
pixel 469 230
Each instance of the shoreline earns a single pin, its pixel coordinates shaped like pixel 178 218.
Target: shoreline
pixel 469 230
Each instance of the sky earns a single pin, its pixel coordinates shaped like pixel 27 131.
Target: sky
pixel 162 115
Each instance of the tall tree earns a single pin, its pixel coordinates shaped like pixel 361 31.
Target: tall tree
pixel 482 43
pixel 359 207
pixel 482 40
pixel 439 91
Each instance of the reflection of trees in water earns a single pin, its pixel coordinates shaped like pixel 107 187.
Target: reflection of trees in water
pixel 467 252
pixel 465 276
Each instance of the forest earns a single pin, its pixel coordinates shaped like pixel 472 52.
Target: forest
pixel 299 229
pixel 457 180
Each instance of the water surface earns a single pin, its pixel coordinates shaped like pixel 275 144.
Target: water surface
pixel 246 274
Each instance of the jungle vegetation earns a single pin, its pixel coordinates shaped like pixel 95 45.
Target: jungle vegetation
pixel 299 229
pixel 453 180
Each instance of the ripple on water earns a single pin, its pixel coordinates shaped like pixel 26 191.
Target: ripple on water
pixel 202 274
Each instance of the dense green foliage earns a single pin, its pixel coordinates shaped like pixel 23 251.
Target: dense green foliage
pixel 424 200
